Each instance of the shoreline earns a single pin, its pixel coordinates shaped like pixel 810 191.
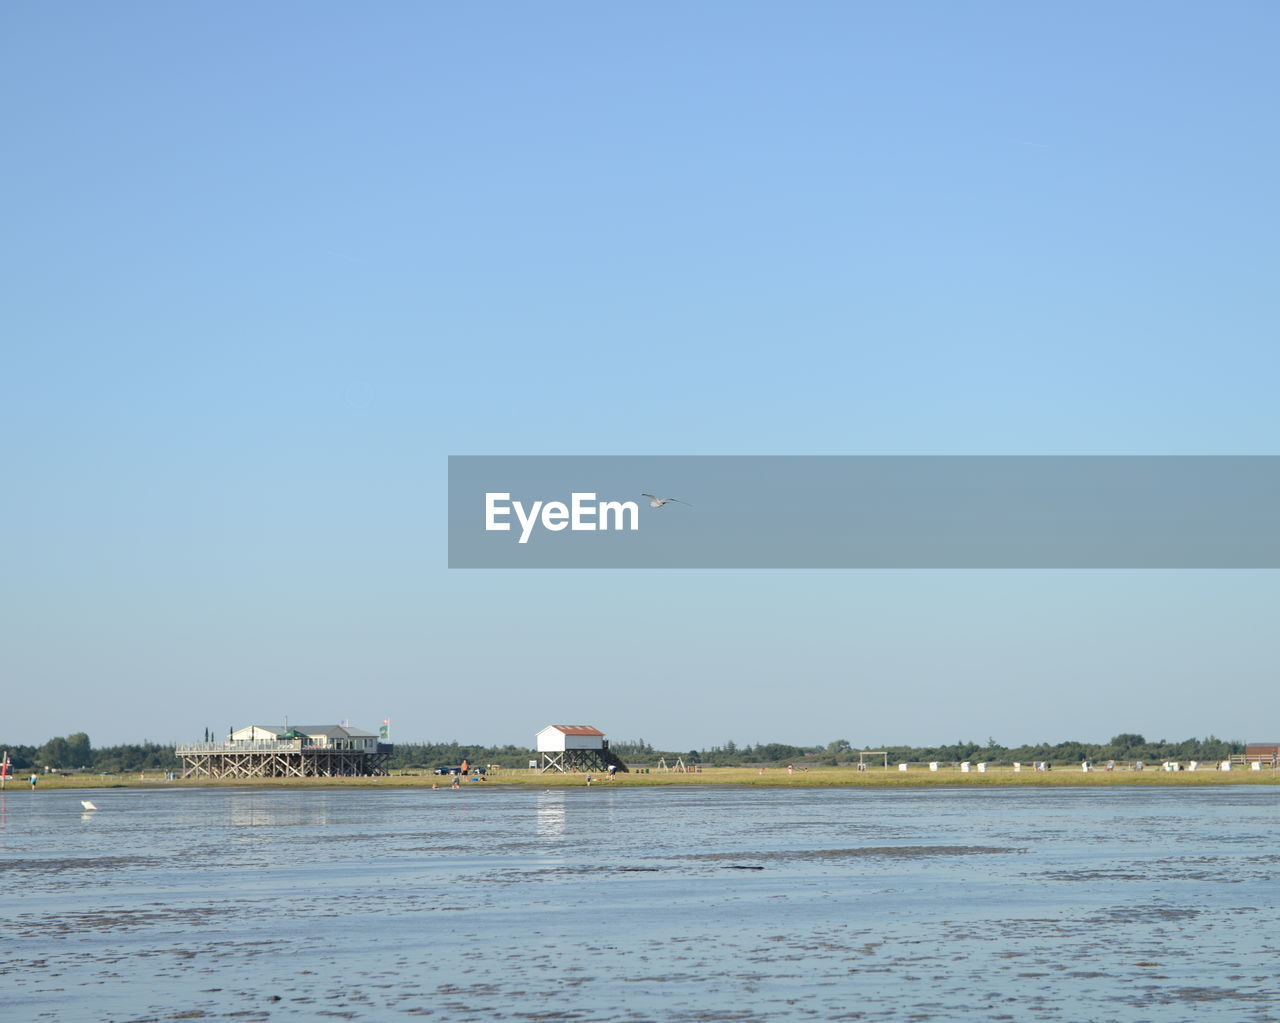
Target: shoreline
pixel 837 777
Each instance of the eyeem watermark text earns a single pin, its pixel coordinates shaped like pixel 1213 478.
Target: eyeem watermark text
pixel 583 513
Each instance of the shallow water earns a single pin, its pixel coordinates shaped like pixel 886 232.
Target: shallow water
pixel 641 904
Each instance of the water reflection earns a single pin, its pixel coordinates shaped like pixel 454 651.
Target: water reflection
pixel 250 810
pixel 550 810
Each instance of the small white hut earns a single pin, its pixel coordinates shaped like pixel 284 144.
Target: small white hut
pixel 558 738
pixel 575 748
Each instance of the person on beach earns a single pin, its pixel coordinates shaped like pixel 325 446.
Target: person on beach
pixel 34 778
pixel 456 784
pixel 464 767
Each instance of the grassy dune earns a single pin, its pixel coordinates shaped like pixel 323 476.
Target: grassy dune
pixel 814 777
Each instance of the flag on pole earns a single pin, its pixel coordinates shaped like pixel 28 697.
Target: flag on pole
pixel 384 733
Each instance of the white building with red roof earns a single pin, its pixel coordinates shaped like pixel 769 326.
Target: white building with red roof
pixel 575 748
pixel 558 738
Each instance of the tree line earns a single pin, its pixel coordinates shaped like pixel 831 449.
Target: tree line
pixel 76 753
pixel 1126 747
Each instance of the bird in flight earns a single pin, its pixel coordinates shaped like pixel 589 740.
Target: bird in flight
pixel 658 502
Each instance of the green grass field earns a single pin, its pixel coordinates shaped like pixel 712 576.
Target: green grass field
pixel 813 777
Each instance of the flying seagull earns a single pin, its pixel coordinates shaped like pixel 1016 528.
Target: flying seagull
pixel 658 502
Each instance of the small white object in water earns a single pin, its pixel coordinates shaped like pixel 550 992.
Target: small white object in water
pixel 87 805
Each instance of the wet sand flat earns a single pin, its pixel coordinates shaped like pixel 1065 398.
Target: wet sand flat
pixel 631 904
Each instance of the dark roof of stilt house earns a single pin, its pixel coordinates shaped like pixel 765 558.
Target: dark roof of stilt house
pixel 328 731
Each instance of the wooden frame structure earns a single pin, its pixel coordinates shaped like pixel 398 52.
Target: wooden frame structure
pixel 1265 753
pixel 281 758
pixel 579 760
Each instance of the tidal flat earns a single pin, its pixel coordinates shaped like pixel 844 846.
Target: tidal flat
pixel 615 903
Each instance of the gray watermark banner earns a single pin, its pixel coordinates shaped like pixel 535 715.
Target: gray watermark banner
pixel 703 511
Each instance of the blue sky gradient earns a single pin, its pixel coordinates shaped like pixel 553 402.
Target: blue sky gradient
pixel 268 265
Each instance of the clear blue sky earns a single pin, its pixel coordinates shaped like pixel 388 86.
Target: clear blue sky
pixel 267 265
